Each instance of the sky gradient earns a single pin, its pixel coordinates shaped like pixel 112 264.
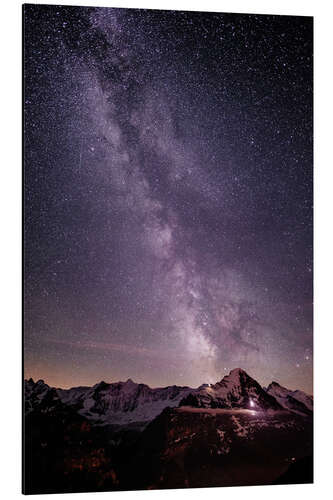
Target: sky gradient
pixel 168 196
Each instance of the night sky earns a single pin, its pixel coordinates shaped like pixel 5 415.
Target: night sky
pixel 168 196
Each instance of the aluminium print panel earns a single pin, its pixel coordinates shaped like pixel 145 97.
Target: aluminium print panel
pixel 167 249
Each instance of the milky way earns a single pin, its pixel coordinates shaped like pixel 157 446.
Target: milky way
pixel 168 196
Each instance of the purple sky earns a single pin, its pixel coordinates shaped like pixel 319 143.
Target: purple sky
pixel 168 196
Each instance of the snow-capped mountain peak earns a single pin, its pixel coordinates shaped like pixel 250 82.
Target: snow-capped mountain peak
pixel 236 373
pixel 236 390
pixel 297 400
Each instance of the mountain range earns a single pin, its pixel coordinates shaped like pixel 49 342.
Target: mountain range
pixel 128 436
pixel 123 403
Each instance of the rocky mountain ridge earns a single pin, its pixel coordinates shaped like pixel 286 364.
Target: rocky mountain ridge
pixel 127 402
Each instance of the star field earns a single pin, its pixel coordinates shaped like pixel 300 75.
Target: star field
pixel 168 196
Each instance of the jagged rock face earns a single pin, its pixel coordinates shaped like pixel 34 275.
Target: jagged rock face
pixel 121 402
pixel 236 390
pixel 39 395
pixel 296 401
pixel 135 401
